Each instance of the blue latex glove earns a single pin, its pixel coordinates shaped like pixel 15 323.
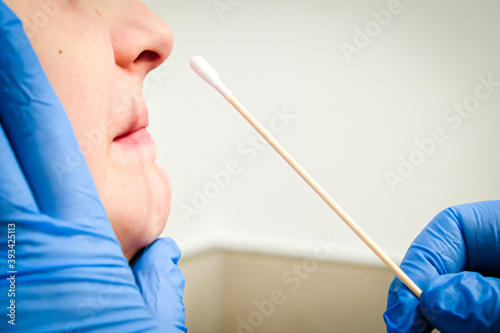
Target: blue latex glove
pixel 162 283
pixel 66 272
pixel 456 262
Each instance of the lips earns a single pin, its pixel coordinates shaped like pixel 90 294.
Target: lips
pixel 135 131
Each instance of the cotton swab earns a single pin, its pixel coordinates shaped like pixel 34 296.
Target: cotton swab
pixel 207 73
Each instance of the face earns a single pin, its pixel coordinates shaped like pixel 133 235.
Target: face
pixel 96 54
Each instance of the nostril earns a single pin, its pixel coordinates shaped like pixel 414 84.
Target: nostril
pixel 148 56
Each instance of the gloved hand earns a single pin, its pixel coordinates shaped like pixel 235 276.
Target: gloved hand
pixel 161 283
pixel 456 262
pixel 61 266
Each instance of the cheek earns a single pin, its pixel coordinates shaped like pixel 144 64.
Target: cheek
pixel 83 81
pixel 93 140
pixel 89 119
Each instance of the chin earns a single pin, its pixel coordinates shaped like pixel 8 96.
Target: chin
pixel 165 203
pixel 139 209
pixel 159 206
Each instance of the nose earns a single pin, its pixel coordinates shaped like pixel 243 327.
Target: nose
pixel 141 40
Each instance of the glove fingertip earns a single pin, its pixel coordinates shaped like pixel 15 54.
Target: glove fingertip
pixel 463 302
pixel 406 318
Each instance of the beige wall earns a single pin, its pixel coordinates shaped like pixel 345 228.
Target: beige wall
pixel 223 288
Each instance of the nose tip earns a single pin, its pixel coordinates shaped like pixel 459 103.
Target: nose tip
pixel 162 37
pixel 143 42
pixel 154 55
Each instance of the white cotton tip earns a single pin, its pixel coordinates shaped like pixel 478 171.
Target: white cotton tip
pixel 207 73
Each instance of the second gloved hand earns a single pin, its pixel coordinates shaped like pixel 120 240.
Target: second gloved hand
pixel 455 260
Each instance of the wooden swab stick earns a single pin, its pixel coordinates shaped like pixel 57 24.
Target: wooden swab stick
pixel 206 72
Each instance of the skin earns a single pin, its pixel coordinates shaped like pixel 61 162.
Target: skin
pixel 96 55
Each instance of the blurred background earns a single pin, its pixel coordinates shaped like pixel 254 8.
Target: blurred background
pixel 392 106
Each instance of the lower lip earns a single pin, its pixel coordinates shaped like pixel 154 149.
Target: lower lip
pixel 139 137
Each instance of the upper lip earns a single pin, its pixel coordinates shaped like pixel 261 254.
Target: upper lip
pixel 138 120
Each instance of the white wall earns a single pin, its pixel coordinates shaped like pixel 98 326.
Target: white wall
pixel 352 120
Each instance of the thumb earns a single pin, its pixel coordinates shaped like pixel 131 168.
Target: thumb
pixel 463 302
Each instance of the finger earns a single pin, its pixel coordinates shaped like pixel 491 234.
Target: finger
pixel 464 237
pixel 15 194
pixel 39 130
pixel 438 249
pixel 403 312
pixel 464 302
pixel 480 223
